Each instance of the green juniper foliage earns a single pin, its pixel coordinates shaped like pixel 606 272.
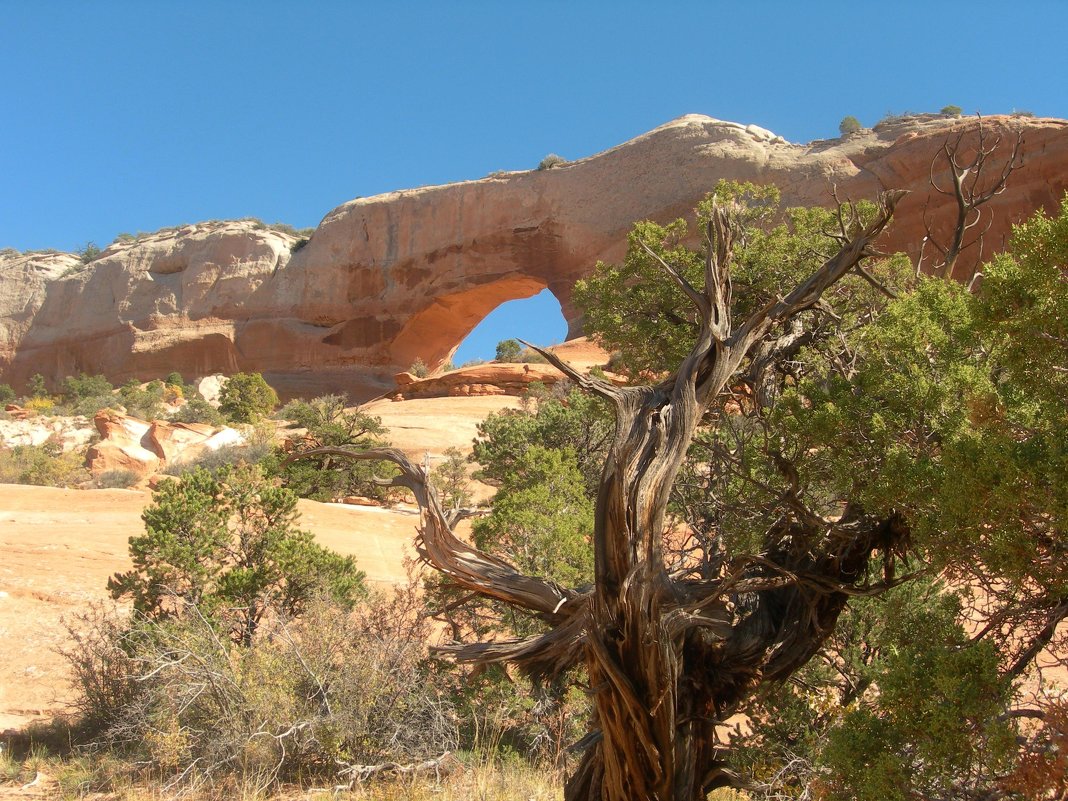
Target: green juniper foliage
pixel 328 423
pixel 246 398
pixel 227 543
pixel 942 408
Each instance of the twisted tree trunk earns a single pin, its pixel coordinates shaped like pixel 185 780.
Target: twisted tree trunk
pixel 669 659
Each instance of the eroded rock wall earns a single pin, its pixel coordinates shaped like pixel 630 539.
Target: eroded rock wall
pixel 408 274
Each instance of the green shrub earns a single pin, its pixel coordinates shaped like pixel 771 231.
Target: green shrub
pixel 551 161
pixel 849 125
pixel 951 111
pixel 7 394
pixel 198 410
pixel 174 379
pixel 89 252
pixel 451 481
pixel 531 356
pixel 299 244
pixel 119 478
pixel 508 350
pixel 86 395
pixel 328 423
pixel 246 397
pixel 37 387
pixel 228 543
pixel 419 369
pixel 42 465
pixel 144 403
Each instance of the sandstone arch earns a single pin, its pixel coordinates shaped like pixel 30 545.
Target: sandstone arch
pixel 405 274
pixel 435 333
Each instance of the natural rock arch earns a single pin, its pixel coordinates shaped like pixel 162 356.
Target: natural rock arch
pixel 435 333
pixel 409 273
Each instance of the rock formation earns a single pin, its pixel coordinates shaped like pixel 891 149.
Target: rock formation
pixel 482 379
pixel 388 279
pixel 145 447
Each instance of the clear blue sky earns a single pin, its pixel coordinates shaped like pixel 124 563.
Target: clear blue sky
pixel 127 116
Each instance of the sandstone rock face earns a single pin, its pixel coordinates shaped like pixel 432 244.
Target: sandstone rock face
pixel 28 428
pixel 408 274
pixel 146 447
pixel 482 379
pixel 210 388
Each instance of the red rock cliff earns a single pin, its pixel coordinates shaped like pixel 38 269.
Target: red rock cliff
pixel 408 274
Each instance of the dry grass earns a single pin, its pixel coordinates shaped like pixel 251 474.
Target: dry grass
pixel 109 779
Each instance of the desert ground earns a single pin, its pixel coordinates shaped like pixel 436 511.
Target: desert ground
pixel 59 546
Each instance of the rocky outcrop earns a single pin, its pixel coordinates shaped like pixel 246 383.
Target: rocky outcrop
pixel 27 427
pixel 482 379
pixel 146 447
pixel 388 279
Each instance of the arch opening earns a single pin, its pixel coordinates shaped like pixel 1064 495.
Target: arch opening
pixel 517 307
pixel 538 319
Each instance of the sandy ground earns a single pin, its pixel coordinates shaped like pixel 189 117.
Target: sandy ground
pixel 58 547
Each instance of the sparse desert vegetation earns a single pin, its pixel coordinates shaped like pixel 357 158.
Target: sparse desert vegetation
pixel 808 543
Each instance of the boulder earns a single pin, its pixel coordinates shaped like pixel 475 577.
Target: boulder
pixel 146 447
pixel 210 388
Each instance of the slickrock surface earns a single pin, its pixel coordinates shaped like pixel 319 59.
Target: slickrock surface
pixel 60 546
pixel 408 274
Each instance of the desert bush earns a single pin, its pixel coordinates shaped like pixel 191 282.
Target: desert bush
pixel 7 394
pixel 551 161
pixel 86 395
pixel 103 671
pixel 84 386
pixel 419 369
pixel 228 544
pixel 451 481
pixel 145 403
pixel 198 410
pixel 313 696
pixel 531 356
pixel 246 397
pixel 849 125
pixel 37 387
pixel 42 465
pixel 88 252
pixel 118 478
pixel 951 111
pixel 327 423
pixel 508 350
pixel 40 405
pixel 221 458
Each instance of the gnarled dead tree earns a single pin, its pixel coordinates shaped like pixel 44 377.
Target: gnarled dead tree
pixel 671 655
pixel 974 180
